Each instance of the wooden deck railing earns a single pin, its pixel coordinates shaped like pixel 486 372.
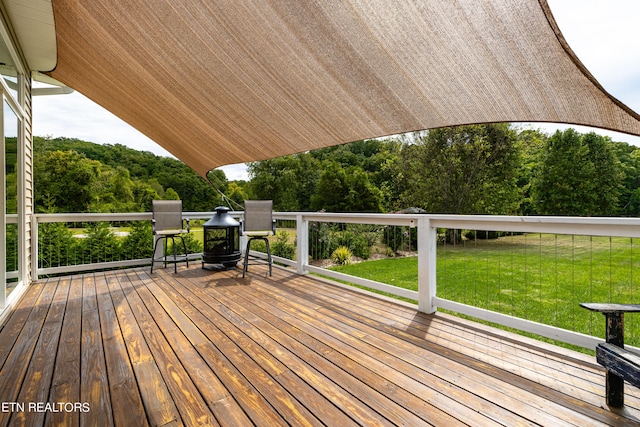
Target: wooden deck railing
pixel 425 228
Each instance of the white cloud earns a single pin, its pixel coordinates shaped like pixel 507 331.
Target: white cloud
pixel 603 34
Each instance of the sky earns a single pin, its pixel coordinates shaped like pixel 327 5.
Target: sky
pixel 602 33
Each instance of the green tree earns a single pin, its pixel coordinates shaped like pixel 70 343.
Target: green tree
pixel 294 182
pixel 578 175
pixel 372 156
pixel 345 190
pixel 332 192
pixel 629 158
pixel 66 179
pixel 530 146
pixel 236 194
pixel 56 245
pixel 289 181
pixel 144 194
pixel 363 195
pixel 113 190
pixel 159 172
pixel 101 244
pixel 462 170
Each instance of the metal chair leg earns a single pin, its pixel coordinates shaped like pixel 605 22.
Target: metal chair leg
pixel 165 246
pixel 245 265
pixel 175 254
pixel 246 255
pixel 164 253
pixel 186 255
pixel 269 259
pixel 153 255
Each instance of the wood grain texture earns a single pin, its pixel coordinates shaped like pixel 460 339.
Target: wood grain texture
pixel 202 347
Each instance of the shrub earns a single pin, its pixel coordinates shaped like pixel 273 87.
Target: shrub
pixel 138 244
pixel 191 242
pixel 320 240
pixel 360 247
pixel 342 255
pixel 482 235
pixel 101 244
pixel 281 247
pixel 400 238
pixel 56 245
pixel 325 238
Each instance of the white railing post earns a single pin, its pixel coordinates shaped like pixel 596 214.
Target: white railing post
pixel 34 247
pixel 302 249
pixel 427 239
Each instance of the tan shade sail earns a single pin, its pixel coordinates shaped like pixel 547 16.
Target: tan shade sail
pixel 222 82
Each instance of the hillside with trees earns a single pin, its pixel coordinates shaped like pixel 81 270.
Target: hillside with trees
pixel 478 169
pixel 78 176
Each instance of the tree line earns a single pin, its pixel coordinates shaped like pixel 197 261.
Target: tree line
pixel 495 169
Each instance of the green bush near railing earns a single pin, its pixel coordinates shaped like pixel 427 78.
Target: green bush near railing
pixel 56 245
pixel 191 241
pixel 96 242
pixel 361 239
pixel 11 247
pixel 281 246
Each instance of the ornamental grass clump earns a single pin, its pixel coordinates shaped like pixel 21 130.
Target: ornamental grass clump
pixel 342 255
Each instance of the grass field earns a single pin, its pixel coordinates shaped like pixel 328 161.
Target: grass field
pixel 538 277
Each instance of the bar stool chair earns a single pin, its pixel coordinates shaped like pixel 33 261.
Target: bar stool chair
pixel 167 223
pixel 258 224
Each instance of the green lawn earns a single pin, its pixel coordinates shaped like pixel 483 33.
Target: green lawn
pixel 536 276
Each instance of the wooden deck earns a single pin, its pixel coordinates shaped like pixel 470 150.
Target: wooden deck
pixel 210 348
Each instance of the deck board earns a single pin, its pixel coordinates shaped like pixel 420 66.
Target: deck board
pixel 157 400
pixel 125 396
pixel 94 382
pixel 428 376
pixel 211 348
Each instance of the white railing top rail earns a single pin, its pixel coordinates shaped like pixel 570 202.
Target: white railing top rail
pixel 132 216
pixel 90 217
pixel 589 226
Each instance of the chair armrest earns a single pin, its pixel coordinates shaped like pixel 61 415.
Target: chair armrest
pixel 153 226
pixel 188 227
pixel 273 227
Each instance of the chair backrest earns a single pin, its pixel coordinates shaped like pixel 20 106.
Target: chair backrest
pixel 258 215
pixel 167 214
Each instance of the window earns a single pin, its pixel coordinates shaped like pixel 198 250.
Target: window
pixel 12 262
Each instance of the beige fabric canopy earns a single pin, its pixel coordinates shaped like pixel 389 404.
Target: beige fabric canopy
pixel 222 82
